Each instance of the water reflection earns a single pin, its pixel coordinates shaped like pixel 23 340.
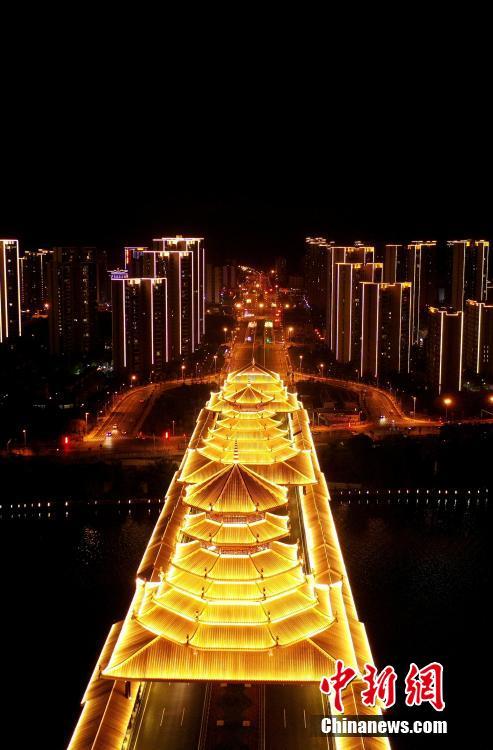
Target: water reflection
pixel 418 562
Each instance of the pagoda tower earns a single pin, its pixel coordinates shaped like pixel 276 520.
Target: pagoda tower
pixel 243 578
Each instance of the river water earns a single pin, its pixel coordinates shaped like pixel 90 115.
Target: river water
pixel 419 569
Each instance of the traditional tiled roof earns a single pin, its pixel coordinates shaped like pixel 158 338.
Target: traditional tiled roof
pixel 226 591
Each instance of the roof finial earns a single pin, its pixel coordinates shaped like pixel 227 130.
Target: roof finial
pixel 236 455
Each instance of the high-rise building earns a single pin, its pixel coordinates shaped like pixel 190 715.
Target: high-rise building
pixel 315 271
pixel 229 276
pixel 185 259
pixel 72 300
pixel 141 341
pixel 103 292
pixel 392 263
pixel 158 304
pixel 34 280
pixel 445 349
pixel 469 271
pixel 358 254
pixel 347 295
pixel 281 269
pixel 417 267
pixel 385 328
pixel 478 337
pixel 213 283
pixel 417 263
pixel 10 290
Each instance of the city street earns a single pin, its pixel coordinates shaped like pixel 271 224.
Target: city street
pixel 131 409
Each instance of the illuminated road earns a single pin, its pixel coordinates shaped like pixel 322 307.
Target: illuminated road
pixel 169 717
pixel 288 709
pixel 131 409
pixel 128 412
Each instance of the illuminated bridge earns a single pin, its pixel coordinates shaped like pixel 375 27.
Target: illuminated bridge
pixel 243 582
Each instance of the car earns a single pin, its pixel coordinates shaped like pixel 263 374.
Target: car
pixel 115 426
pixel 109 433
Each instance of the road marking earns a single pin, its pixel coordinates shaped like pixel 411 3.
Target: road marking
pixel 182 715
pixel 284 715
pixel 329 745
pixel 162 717
pixel 142 716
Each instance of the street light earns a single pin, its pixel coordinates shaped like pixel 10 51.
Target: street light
pixel 225 334
pixel 290 331
pixel 321 366
pixel 301 363
pixel 87 414
pixel 215 363
pixel 183 373
pixel 414 408
pixel 447 402
pixel 24 432
pixel 132 380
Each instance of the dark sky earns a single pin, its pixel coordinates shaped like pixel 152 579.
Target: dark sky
pixel 253 171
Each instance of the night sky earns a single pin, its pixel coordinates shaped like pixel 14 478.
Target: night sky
pixel 251 169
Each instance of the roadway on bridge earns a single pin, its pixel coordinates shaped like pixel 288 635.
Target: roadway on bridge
pixel 287 707
pixel 169 717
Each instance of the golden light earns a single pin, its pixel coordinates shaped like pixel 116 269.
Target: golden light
pixel 134 378
pixel 447 401
pixel 240 595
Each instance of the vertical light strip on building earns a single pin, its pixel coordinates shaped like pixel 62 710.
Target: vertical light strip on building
pixel 203 290
pixel 337 314
pixel 362 327
pixel 461 343
pixel 399 343
pixel 193 296
pixel 152 282
pixel 351 312
pixel 5 290
pixel 377 339
pixel 179 295
pixel 440 354
pixel 18 288
pixel 124 290
pixel 166 318
pixel 480 321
